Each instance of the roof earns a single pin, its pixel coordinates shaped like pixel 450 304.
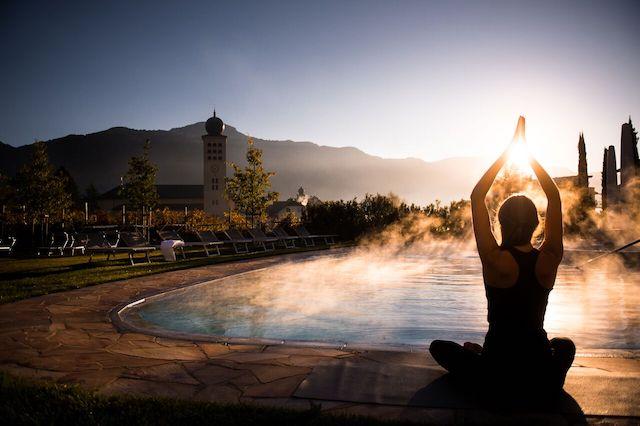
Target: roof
pixel 278 206
pixel 164 192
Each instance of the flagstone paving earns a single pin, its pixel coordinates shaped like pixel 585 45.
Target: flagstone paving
pixel 69 338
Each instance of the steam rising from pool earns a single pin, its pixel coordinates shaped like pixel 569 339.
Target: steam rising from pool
pixel 395 294
pixel 403 286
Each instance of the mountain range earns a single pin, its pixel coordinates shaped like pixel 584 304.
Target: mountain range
pixel 327 172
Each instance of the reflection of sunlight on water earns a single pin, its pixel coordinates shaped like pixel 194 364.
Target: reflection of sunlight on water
pixel 600 308
pixel 365 298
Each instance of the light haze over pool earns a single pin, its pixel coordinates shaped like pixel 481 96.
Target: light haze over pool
pixel 365 299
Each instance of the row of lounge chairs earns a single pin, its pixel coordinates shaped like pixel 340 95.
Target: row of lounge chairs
pixel 204 239
pixel 243 243
pixel 64 242
pixel 127 242
pixel 132 243
pixel 91 243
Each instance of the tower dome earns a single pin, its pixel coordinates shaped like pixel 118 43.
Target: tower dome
pixel 214 125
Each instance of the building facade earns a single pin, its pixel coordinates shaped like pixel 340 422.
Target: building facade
pixel 173 197
pixel 214 153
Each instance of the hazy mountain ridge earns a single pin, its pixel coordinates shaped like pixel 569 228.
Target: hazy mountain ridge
pixel 328 172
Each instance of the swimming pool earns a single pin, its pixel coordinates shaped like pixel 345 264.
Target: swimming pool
pixel 364 299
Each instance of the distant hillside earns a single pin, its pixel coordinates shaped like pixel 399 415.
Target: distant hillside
pixel 328 172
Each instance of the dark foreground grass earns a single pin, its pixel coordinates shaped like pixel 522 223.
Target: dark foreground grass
pixel 28 402
pixel 24 278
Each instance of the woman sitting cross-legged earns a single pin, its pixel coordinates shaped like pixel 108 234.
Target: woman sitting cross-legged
pixel 517 360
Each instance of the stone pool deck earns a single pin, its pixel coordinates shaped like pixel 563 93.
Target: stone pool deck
pixel 69 338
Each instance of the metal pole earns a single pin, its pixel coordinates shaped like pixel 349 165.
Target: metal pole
pixel 632 243
pixel 45 228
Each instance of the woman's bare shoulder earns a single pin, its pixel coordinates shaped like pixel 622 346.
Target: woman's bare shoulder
pixel 501 270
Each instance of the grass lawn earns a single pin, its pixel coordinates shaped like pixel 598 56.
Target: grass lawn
pixel 27 402
pixel 24 278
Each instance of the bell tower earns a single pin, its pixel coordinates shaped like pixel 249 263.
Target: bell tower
pixel 214 145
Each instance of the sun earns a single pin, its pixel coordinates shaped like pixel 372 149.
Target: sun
pixel 518 160
pixel 519 157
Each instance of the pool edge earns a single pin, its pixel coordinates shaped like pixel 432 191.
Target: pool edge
pixel 123 325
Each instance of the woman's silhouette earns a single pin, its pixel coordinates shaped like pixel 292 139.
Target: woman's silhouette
pixel 518 278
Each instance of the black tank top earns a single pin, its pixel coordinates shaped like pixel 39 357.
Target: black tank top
pixel 516 313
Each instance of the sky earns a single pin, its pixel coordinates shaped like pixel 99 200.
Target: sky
pixel 425 79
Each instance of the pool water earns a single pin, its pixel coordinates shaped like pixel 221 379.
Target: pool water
pixel 361 298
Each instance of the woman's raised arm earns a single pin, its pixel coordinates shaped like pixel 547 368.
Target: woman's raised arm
pixel 552 245
pixel 485 240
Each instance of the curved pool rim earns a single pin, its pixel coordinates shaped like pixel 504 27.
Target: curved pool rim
pixel 118 320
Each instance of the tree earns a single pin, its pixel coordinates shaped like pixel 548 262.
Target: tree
pixel 139 183
pixel 6 190
pixel 604 180
pixel 70 185
pixel 39 188
pixel 249 188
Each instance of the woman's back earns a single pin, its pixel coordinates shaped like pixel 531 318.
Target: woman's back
pixel 521 306
pixel 516 313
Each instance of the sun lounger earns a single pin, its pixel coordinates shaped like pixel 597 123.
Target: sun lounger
pixel 210 237
pixel 112 237
pixel 58 242
pixel 131 243
pixel 289 241
pixel 308 238
pixel 97 243
pixel 98 239
pixel 262 239
pixel 204 239
pixel 239 242
pixel 6 245
pixel 77 242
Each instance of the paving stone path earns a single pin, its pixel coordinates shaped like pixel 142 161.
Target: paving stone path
pixel 69 338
